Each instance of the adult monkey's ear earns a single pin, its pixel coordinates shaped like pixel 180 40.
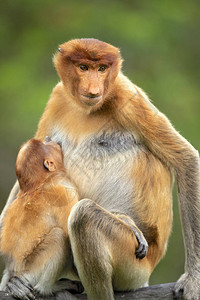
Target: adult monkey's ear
pixel 49 165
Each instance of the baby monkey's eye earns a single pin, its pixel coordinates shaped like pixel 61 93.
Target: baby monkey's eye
pixel 83 67
pixel 102 68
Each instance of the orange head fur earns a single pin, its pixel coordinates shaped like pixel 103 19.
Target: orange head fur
pixel 87 67
pixel 36 161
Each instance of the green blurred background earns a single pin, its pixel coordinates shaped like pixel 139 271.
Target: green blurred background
pixel 160 42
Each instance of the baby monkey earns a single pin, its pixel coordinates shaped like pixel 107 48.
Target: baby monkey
pixel 34 235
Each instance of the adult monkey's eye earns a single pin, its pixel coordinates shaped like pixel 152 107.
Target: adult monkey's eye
pixel 102 68
pixel 83 67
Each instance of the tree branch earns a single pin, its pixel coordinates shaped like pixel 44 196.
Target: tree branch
pixel 157 292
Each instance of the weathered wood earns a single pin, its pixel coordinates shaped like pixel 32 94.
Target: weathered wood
pixel 157 292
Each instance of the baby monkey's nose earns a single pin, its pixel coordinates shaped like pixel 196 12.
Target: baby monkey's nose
pixel 47 139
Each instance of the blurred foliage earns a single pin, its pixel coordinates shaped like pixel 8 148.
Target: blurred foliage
pixel 159 41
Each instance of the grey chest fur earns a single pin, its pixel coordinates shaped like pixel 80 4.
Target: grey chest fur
pixel 101 166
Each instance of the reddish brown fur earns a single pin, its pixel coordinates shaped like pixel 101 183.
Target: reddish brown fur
pixel 29 170
pixel 90 50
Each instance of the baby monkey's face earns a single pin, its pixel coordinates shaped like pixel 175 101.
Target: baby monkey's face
pixel 52 147
pixel 53 151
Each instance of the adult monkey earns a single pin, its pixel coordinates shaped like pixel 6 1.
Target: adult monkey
pixel 122 153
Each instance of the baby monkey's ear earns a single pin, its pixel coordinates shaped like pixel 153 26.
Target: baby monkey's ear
pixel 49 165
